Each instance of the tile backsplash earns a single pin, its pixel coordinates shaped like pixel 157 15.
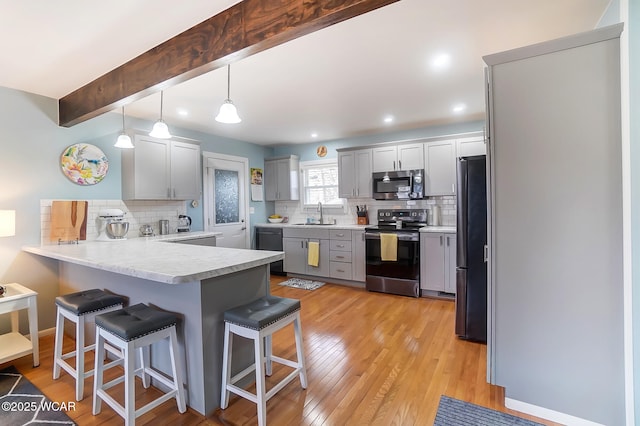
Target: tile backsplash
pixel 137 213
pixel 347 215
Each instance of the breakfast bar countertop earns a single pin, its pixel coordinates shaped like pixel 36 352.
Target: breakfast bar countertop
pixel 159 259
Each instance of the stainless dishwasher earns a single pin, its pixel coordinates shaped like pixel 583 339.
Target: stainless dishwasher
pixel 270 238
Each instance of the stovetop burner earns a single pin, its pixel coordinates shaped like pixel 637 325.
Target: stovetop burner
pixel 410 220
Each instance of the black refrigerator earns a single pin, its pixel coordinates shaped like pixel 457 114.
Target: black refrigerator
pixel 471 265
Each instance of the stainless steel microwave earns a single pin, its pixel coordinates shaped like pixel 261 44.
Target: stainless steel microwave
pixel 398 185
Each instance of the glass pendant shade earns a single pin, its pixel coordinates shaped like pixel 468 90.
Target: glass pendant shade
pixel 228 113
pixel 124 141
pixel 160 130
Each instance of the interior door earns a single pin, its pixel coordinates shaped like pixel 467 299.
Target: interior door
pixel 226 199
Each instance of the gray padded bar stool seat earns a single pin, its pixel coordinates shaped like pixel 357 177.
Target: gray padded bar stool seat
pixel 128 329
pixel 258 320
pixel 79 308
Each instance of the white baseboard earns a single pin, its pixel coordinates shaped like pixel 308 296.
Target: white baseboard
pixel 545 413
pixel 45 332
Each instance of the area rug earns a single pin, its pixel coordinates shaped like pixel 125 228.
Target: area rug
pixel 304 284
pixel 453 412
pixel 22 403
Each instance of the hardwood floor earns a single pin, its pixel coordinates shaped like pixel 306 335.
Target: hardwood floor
pixel 372 358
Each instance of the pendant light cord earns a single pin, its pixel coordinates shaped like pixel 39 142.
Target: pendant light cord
pixel 123 118
pixel 228 81
pixel 161 99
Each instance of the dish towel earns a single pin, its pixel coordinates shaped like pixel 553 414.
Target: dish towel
pixel 389 247
pixel 313 256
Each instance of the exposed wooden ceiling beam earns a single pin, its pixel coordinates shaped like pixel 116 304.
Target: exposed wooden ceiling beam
pixel 248 27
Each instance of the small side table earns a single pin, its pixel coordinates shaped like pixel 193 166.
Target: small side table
pixel 14 345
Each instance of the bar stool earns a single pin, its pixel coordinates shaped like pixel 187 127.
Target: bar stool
pixel 79 308
pixel 128 329
pixel 258 321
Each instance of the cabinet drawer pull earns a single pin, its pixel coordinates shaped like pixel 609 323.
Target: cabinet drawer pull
pixel 340 235
pixel 340 245
pixel 339 257
pixel 340 270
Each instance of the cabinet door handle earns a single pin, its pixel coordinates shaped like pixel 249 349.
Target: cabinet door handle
pixel 447 241
pixel 174 193
pixel 394 165
pixel 440 239
pixel 301 244
pixel 453 188
pixel 362 236
pixel 399 165
pixel 168 192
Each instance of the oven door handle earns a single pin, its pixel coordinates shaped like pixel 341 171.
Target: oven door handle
pixel 401 237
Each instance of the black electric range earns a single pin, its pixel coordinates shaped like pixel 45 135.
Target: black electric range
pixel 399 274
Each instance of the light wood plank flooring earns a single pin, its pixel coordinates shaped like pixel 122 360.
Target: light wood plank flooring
pixel 372 358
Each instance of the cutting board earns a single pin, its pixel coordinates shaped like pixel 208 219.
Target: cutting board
pixel 68 221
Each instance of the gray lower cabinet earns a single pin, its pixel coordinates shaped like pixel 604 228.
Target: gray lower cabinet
pixel 358 256
pixel 342 253
pixel 438 262
pixel 295 243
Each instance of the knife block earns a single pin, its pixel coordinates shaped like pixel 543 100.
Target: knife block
pixel 363 220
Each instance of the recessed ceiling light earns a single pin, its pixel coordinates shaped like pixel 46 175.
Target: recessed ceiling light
pixel 388 119
pixel 183 112
pixel 459 108
pixel 314 135
pixel 441 61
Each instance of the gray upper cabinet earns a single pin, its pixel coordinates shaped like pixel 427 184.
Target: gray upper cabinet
pixel 440 162
pixel 281 179
pixel 398 157
pixel 354 174
pixel 471 146
pixel 158 169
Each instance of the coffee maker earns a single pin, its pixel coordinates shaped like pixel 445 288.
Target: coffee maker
pixel 184 223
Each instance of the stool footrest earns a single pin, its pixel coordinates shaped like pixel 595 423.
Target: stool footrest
pixel 243 373
pixel 282 383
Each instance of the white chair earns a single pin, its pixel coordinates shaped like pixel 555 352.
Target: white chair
pixel 258 321
pixel 79 308
pixel 128 329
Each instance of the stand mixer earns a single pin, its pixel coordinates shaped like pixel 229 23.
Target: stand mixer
pixel 111 225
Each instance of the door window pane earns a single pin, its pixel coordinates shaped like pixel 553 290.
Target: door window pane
pixel 227 196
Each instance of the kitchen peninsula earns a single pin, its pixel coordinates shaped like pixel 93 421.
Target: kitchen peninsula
pixel 197 283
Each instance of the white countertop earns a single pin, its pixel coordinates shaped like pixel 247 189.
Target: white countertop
pixel 157 259
pixel 445 229
pixel 294 225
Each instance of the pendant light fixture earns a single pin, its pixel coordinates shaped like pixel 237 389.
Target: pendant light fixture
pixel 124 141
pixel 228 113
pixel 160 129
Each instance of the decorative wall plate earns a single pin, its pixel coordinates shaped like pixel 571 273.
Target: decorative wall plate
pixel 84 164
pixel 321 151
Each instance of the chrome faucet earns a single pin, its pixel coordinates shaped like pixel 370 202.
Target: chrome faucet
pixel 320 210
